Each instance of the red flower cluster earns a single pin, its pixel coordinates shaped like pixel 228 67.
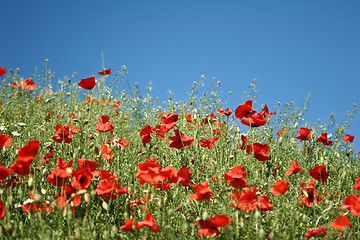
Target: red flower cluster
pixel 209 227
pixel 105 125
pixel 248 200
pixel 131 225
pixel 260 150
pixel 109 188
pixel 208 142
pixel 323 139
pixel 151 172
pixel 227 112
pixel 180 140
pixel 64 133
pixel 246 114
pixel 311 195
pixel 167 122
pixel 26 84
pixel 236 177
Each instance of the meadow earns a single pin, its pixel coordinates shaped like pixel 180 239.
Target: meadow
pixel 82 161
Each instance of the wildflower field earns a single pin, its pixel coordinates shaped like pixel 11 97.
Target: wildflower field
pixel 82 161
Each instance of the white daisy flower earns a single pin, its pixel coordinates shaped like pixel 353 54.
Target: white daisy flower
pixel 2 127
pixel 14 133
pixel 21 124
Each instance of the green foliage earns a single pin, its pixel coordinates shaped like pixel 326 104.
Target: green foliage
pixel 47 106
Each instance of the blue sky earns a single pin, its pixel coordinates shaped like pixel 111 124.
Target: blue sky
pixel 292 47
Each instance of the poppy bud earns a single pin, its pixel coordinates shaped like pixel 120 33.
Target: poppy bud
pixel 30 181
pixel 205 215
pixel 105 206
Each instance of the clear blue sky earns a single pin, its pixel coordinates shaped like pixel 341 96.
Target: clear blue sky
pixel 292 47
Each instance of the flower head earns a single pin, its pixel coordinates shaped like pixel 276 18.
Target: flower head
pixel 105 72
pixel 87 83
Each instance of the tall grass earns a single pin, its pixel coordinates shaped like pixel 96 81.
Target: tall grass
pixel 62 102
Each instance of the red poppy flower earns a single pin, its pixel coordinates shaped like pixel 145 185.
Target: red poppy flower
pixel 356 186
pixel 265 112
pixel 275 170
pixel 2 71
pixel 164 186
pixel 149 222
pixel 87 83
pixel 106 153
pixel 244 110
pixel 264 204
pixel 5 140
pixel 119 142
pixel 145 133
pixel 281 132
pixel 188 117
pixel 254 121
pixel 105 72
pixel 67 192
pixel 60 175
pixel 32 206
pixel 209 227
pixel 294 168
pixel 246 200
pixel 261 151
pixel 246 145
pixel 4 172
pixel 82 178
pixel 208 142
pixel 2 210
pixel 236 177
pixel 315 232
pixel 219 128
pixel 203 192
pixel 29 84
pixel 323 139
pixel 25 157
pixel 169 121
pixel 13 182
pixel 63 134
pixel 319 173
pixel 105 125
pixel 129 226
pixel 183 176
pixel 151 172
pixel 48 156
pixel 311 194
pixel 91 165
pixel 342 222
pixel 348 138
pixel 279 187
pixel 352 203
pixel 304 134
pixel 226 113
pixel 109 188
pixel 180 140
pixel 210 118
